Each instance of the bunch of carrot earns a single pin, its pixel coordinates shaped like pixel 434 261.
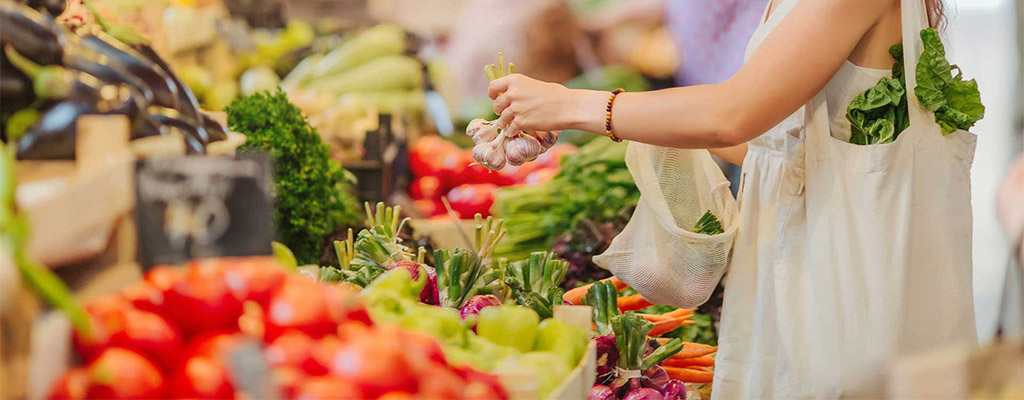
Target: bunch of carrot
pixel 663 323
pixel 693 364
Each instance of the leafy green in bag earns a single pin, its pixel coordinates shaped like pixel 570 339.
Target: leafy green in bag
pixel 878 115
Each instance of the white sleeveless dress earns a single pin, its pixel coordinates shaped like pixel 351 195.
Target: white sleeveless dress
pixel 771 311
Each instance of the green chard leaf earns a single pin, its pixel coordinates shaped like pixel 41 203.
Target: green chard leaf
pixel 955 102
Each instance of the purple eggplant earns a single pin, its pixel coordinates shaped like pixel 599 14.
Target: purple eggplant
pixel 165 92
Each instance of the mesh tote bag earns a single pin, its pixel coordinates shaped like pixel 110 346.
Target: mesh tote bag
pixel 657 253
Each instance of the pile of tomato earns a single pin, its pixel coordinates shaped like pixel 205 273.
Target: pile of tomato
pixel 440 168
pixel 175 334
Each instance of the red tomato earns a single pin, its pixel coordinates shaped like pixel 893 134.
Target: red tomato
pixel 344 305
pixel 254 278
pixel 439 382
pixel 213 344
pixel 106 317
pixel 327 387
pixel 425 187
pixel 124 374
pixel 397 396
pixel 149 334
pixel 203 301
pixel 491 385
pixel 455 169
pixel 293 349
pixel 299 304
pixel 202 378
pixel 72 386
pixel 288 380
pixel 422 351
pixel 144 296
pixel 429 208
pixel 468 200
pixel 369 359
pixel 426 153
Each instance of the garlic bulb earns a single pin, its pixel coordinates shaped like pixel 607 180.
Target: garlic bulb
pixel 546 139
pixel 481 130
pixel 522 148
pixel 491 154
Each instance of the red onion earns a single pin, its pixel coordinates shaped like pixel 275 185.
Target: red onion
pixel 429 293
pixel 643 394
pixel 655 377
pixel 601 392
pixel 479 302
pixel 674 390
pixel 607 357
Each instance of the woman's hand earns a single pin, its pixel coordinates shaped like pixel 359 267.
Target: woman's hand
pixel 526 104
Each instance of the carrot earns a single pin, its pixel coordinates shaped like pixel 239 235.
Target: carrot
pixel 633 303
pixel 663 327
pixel 679 312
pixel 691 350
pixel 575 296
pixel 703 361
pixel 655 318
pixel 689 375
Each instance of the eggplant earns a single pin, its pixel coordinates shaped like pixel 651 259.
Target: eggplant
pixel 83 60
pixel 53 137
pixel 193 145
pixel 16 91
pixel 36 36
pixel 165 92
pixel 216 131
pixel 188 105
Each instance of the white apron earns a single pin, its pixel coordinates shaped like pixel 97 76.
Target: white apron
pixel 846 255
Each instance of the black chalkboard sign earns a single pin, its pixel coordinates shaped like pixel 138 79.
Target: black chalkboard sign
pixel 202 206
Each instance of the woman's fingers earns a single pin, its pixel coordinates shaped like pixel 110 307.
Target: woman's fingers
pixel 505 119
pixel 497 87
pixel 500 104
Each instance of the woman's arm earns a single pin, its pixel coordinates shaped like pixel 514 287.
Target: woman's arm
pixel 733 155
pixel 796 60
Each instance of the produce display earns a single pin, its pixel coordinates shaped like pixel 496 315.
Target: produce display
pixel 313 192
pixel 592 188
pixel 632 365
pixel 52 76
pixel 181 331
pixel 879 114
pixel 442 169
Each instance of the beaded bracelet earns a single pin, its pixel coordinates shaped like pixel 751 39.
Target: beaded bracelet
pixel 608 116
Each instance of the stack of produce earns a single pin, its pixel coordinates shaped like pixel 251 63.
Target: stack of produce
pixel 52 76
pixel 185 332
pixel 490 314
pixel 370 65
pixel 630 364
pixel 440 168
pixel 313 193
pixel 593 187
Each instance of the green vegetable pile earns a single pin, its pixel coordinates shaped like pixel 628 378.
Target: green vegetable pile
pixel 313 192
pixel 593 184
pixel 879 114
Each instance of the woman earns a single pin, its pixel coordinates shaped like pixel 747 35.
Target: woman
pixel 847 255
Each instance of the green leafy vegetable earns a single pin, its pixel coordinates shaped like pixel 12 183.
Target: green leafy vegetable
pixel 708 224
pixel 879 114
pixel 955 102
pixel 313 192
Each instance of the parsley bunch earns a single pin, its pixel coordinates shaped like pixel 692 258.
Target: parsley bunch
pixel 313 192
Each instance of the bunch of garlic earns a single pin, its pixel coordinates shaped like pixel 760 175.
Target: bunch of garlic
pixel 496 148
